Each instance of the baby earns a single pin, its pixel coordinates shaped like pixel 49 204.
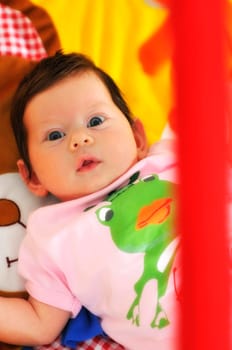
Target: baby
pixel 111 244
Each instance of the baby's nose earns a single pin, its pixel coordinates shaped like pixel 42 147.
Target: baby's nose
pixel 78 140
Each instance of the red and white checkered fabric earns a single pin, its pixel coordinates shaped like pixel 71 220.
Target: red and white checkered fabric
pixel 18 36
pixel 97 343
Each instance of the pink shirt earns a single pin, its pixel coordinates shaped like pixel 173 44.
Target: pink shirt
pixel 74 254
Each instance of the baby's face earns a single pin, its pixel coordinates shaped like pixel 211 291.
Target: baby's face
pixel 78 140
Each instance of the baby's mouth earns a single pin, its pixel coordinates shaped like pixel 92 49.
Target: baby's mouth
pixel 87 164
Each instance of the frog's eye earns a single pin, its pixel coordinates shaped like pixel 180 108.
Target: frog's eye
pixel 105 214
pixel 148 178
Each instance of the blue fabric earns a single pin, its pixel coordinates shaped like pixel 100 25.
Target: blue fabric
pixel 85 326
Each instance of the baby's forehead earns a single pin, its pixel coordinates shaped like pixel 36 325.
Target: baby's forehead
pixel 79 93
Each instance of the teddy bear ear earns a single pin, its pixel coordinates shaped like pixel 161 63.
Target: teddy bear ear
pixel 27 35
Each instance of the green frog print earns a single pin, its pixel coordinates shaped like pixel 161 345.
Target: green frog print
pixel 141 219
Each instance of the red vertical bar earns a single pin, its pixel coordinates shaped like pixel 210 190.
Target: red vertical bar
pixel 200 86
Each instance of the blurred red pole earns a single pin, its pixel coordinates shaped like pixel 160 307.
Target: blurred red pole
pixel 200 83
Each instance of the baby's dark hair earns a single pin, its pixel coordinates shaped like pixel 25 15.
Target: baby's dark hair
pixel 47 73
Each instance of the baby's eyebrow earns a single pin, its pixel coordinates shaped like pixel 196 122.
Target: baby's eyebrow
pixel 51 125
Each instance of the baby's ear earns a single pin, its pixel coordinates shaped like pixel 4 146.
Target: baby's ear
pixel 32 180
pixel 140 138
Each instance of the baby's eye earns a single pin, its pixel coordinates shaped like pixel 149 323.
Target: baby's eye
pixel 95 121
pixel 55 135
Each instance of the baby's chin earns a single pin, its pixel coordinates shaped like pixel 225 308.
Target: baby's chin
pixel 94 187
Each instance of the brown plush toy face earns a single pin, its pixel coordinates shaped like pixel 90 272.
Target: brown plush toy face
pixel 16 59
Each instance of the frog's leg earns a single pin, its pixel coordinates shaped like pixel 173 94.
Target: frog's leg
pixel 147 275
pixel 152 271
pixel 161 320
pixel 133 312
